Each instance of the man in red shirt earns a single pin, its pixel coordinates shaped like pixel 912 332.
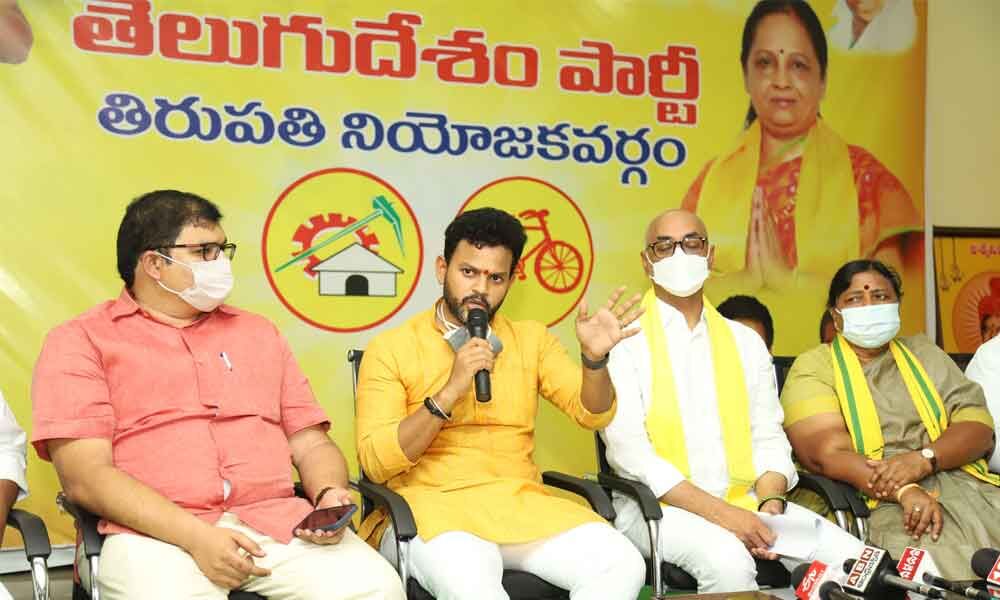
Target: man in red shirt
pixel 177 419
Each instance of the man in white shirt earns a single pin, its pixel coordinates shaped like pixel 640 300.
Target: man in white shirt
pixel 984 369
pixel 699 422
pixel 13 483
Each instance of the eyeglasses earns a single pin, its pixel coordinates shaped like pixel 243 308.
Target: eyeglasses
pixel 209 251
pixel 663 248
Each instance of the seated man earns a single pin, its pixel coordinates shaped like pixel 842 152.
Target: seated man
pixel 752 313
pixel 465 466
pixel 13 483
pixel 177 419
pixel 984 369
pixel 699 423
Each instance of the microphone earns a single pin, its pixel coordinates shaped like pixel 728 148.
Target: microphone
pixel 962 590
pixel 916 564
pixel 831 590
pixel 477 321
pixel 986 564
pixel 809 580
pixel 872 575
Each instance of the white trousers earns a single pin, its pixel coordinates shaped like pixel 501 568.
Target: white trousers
pixel 134 566
pixel 716 558
pixel 592 562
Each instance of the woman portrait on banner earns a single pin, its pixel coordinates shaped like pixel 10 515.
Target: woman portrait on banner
pixel 896 418
pixel 790 201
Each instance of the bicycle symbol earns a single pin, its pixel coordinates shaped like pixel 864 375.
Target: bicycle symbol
pixel 558 264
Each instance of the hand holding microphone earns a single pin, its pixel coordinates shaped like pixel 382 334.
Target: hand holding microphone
pixel 473 362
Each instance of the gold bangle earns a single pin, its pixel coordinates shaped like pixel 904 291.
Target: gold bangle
pixel 899 492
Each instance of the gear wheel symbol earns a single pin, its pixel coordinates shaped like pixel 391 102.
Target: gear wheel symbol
pixel 320 225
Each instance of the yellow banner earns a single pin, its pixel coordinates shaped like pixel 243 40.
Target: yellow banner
pixel 340 139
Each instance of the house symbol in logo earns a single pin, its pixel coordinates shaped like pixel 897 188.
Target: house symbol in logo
pixel 357 271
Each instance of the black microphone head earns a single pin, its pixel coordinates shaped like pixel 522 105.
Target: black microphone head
pixel 826 590
pixel 849 564
pixel 798 574
pixel 983 561
pixel 477 321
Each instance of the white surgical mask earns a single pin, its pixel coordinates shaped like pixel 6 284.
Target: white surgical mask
pixel 870 326
pixel 213 281
pixel 680 274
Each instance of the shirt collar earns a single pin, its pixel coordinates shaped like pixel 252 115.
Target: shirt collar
pixel 669 314
pixel 126 305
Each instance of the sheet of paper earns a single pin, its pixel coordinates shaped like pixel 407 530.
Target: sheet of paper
pixel 797 536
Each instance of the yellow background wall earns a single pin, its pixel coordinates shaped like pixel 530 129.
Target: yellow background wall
pixel 963 116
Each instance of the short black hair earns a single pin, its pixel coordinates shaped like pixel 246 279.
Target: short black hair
pixel 810 22
pixel 842 278
pixel 751 309
pixel 154 220
pixel 486 227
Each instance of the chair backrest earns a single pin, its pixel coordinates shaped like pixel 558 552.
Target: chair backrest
pixel 782 365
pixel 603 466
pixel 354 357
pixel 961 359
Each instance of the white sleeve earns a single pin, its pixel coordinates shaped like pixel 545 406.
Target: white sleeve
pixel 630 452
pixel 771 450
pixel 13 445
pixel 984 369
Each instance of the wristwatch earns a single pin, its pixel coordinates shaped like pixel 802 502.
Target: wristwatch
pixel 928 453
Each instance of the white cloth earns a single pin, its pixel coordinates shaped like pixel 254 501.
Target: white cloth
pixel 630 452
pixel 715 557
pixel 892 30
pixel 984 369
pixel 591 561
pixel 135 566
pixel 13 441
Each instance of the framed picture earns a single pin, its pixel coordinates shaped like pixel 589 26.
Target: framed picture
pixel 967 282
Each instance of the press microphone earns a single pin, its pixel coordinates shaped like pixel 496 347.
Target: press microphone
pixel 477 322
pixel 872 575
pixel 915 564
pixel 809 580
pixel 962 590
pixel 831 590
pixel 986 564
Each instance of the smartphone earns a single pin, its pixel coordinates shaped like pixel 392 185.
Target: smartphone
pixel 328 519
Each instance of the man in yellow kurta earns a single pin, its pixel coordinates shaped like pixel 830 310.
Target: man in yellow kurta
pixel 465 466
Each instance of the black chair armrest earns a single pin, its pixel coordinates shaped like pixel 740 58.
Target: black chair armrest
pixel 33 531
pixel 399 510
pixel 854 499
pixel 648 503
pixel 590 490
pixel 87 522
pixel 828 489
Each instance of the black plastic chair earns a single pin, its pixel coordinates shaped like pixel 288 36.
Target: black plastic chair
pixel 520 585
pixel 36 547
pixel 92 540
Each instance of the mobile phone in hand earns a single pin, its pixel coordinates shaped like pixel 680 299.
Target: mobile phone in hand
pixel 328 519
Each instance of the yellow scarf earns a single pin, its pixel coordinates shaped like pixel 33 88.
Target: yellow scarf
pixel 826 200
pixel 663 423
pixel 859 411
